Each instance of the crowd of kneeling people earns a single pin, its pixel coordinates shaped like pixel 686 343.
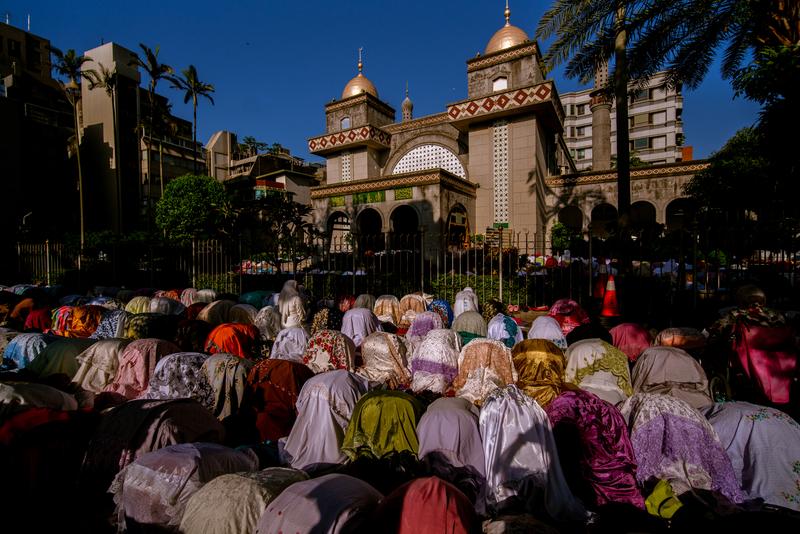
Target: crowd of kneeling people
pixel 196 412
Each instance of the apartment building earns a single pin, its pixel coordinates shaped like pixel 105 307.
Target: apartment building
pixel 654 121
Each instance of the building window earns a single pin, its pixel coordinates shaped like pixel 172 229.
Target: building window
pixel 659 142
pixel 580 153
pixel 643 143
pixel 580 131
pixel 500 84
pixel 500 172
pixel 347 166
pixel 641 96
pixel 581 109
pixel 345 123
pixel 426 157
pixel 14 48
pixel 642 119
pixel 659 117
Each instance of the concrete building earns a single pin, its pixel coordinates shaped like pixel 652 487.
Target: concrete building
pixel 38 179
pixel 654 119
pixel 121 201
pixel 249 177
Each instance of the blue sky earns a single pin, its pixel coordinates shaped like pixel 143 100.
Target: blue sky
pixel 276 64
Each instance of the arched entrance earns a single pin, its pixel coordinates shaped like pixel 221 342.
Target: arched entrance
pixel 457 228
pixel 369 224
pixel 680 214
pixel 604 220
pixel 405 228
pixel 338 232
pixel 643 215
pixel 572 218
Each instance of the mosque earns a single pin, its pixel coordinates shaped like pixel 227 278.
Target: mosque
pixel 497 159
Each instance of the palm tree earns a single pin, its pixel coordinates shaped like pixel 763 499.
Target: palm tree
pixel 105 78
pixel 193 88
pixel 252 146
pixel 70 66
pixel 156 71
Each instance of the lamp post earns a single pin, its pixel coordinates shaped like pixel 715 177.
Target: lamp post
pixel 73 92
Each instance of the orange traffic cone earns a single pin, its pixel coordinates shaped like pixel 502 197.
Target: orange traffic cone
pixel 610 305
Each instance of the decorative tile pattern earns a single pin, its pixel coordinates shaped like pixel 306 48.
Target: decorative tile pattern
pixel 426 157
pixel 500 157
pixel 347 166
pixel 349 137
pixel 656 171
pixel 496 59
pixel 430 120
pixel 404 193
pixel 369 197
pixel 515 98
pixel 337 202
pixel 438 177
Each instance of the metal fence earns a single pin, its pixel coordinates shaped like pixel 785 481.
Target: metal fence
pixel 510 267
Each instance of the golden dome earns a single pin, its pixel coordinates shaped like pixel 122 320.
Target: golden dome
pixel 359 84
pixel 507 36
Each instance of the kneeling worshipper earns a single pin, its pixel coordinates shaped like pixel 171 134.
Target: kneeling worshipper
pixel 24 348
pixel 545 327
pixel 235 338
pixel 450 445
pixel 181 376
pixel 227 375
pixel 271 396
pixel 504 329
pixel 426 506
pixel 483 366
pixel 191 335
pixel 540 368
pixel 387 309
pixel 327 319
pixel 112 325
pixel 234 502
pixel 470 325
pixel 522 465
pixel 16 397
pixel 243 313
pixel 385 359
pixel 152 492
pixel 217 313
pixel 99 364
pixel 671 371
pixel 290 344
pixel 423 323
pixel 600 368
pixel 328 350
pixel 358 323
pixel 136 365
pixel 151 325
pixel 632 339
pixel 324 407
pixel 166 306
pixel 764 447
pixel 465 300
pixel 268 322
pixel 60 357
pixel 595 450
pixel 411 305
pixel 330 504
pixel 137 305
pixel 442 307
pixel 434 364
pixel 85 320
pixel 140 426
pixel 366 301
pixel 569 314
pixel 673 442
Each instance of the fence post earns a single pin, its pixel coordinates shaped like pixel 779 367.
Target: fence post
pixel 47 259
pixel 500 263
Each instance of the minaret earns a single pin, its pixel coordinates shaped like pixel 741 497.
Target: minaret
pixel 407 107
pixel 600 105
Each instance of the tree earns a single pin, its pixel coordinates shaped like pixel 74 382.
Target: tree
pixel 193 88
pixel 156 71
pixel 105 78
pixel 563 238
pixel 70 66
pixel 193 206
pixel 251 146
pixel 285 231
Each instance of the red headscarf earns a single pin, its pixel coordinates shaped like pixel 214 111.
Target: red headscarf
pixel 38 320
pixel 631 338
pixel 271 395
pixel 234 338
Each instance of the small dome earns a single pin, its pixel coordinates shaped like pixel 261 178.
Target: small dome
pixel 359 84
pixel 507 36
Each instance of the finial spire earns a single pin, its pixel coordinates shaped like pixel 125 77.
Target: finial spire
pixel 507 14
pixel 360 63
pixel 406 88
